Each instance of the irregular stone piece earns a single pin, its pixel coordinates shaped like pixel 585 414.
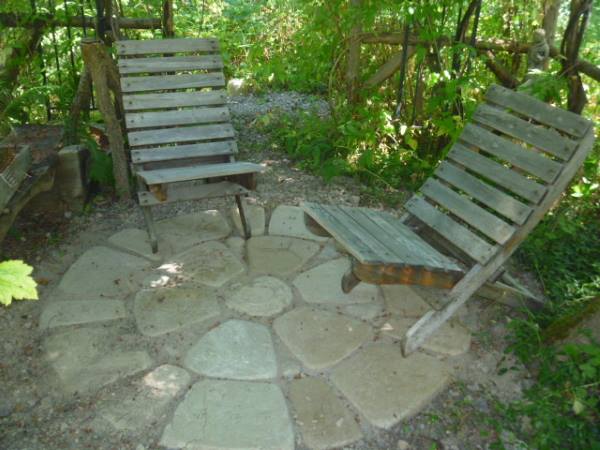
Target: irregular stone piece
pixel 183 232
pixel 323 284
pixel 147 402
pixel 231 415
pixel 137 241
pixel 323 419
pixel 163 310
pixel 263 297
pixel 403 301
pixel 237 245
pixel 237 349
pixel 210 263
pixel 60 313
pixel 275 255
pixel 103 272
pixel 289 221
pixel 88 358
pixel 451 339
pixel 366 311
pixel 255 215
pixel 386 387
pixel 320 338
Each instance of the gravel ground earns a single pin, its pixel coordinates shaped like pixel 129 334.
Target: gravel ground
pixel 34 416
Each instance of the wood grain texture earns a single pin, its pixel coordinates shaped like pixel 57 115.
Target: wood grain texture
pixel 190 116
pixel 174 100
pixel 545 139
pixel 191 191
pixel 503 203
pixel 462 207
pixel 169 64
pixel 517 155
pixel 541 112
pixel 503 176
pixel 172 82
pixel 142 156
pixel 463 238
pixel 179 174
pixel 181 134
pixel 146 47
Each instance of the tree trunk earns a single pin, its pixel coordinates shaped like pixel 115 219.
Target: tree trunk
pixel 97 59
pixel 550 20
pixel 80 105
pixel 353 68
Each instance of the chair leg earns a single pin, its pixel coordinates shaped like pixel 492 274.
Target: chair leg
pixel 146 211
pixel 349 281
pixel 241 209
pixel 458 295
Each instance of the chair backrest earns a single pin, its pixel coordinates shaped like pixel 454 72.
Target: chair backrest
pixel 504 173
pixel 175 106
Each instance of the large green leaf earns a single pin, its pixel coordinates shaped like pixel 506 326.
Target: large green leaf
pixel 16 282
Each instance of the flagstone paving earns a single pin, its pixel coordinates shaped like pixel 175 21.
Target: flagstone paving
pixel 255 215
pixel 277 356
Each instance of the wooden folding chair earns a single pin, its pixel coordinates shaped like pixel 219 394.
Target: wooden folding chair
pixel 508 168
pixel 179 130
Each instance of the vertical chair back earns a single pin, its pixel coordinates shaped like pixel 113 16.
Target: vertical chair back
pixel 505 172
pixel 175 106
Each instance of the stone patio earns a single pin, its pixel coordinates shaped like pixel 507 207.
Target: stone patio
pixel 230 344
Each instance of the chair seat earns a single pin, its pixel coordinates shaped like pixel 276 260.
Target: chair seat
pixel 189 173
pixel 378 238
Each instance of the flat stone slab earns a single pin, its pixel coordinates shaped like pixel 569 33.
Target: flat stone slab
pixel 386 387
pixel 323 419
pixel 366 311
pixel 263 297
pixel 320 338
pixel 323 284
pixel 103 272
pixel 274 255
pixel 86 359
pixel 76 312
pixel 237 349
pixel 137 241
pixel 237 245
pixel 231 415
pixel 404 301
pixel 164 310
pixel 451 339
pixel 146 403
pixel 211 263
pixel 185 231
pixel 289 221
pixel 255 215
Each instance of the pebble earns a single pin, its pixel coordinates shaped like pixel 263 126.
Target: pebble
pixel 402 445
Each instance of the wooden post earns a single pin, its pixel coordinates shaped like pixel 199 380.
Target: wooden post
pixel 168 24
pixel 81 104
pixel 354 42
pixel 97 60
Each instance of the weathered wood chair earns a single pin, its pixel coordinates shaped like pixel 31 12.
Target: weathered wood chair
pixel 179 130
pixel 508 168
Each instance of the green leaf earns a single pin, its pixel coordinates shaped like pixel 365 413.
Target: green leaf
pixel 16 282
pixel 578 406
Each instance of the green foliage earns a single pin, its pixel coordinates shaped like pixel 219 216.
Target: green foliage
pixel 101 170
pixel 16 282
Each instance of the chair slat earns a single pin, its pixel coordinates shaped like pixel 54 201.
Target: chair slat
pixel 406 245
pixel 519 156
pixel 503 203
pixel 187 45
pixel 545 139
pixel 508 179
pixel 176 117
pixel 180 134
pixel 474 215
pixel 139 102
pixel 171 82
pixel 207 149
pixel 541 112
pixel 467 241
pixel 189 173
pixel 169 64
pixel 344 232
